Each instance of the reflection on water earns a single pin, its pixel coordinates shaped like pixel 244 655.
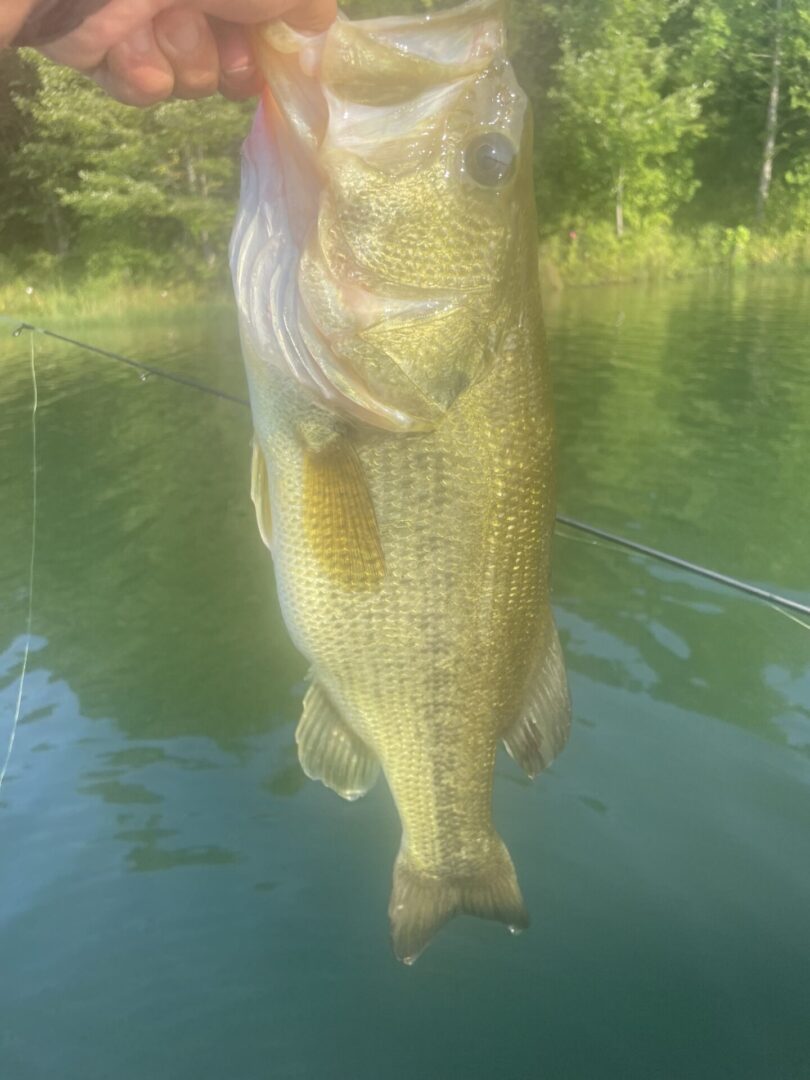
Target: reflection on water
pixel 152 863
pixel 680 639
pixel 684 414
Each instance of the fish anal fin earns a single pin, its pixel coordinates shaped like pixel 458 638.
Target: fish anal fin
pixel 260 494
pixel 542 729
pixel 339 519
pixel 421 903
pixel 330 751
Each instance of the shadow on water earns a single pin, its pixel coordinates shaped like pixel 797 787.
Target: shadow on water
pixel 147 555
pixel 147 560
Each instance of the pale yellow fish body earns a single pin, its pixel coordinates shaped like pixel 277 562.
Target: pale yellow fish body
pixel 385 266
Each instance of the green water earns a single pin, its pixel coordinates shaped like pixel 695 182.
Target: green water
pixel 176 901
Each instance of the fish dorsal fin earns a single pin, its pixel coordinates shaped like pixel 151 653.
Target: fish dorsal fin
pixel 260 494
pixel 330 751
pixel 542 729
pixel 339 520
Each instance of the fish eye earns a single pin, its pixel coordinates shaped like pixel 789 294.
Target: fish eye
pixel 489 159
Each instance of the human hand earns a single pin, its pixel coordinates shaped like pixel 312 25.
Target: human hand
pixel 144 51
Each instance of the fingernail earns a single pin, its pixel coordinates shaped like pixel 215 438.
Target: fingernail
pixel 181 31
pixel 240 72
pixel 235 53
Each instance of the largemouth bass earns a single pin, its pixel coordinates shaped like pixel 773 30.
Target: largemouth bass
pixel 385 268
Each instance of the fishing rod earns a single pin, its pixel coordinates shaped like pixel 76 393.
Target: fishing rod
pixel 730 582
pixel 685 564
pixel 146 369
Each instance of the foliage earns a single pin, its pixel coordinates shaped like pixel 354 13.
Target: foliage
pixel 734 43
pixel 95 298
pixel 650 140
pixel 627 129
pixel 116 191
pixel 596 255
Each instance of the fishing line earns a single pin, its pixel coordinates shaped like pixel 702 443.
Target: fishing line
pixel 29 622
pixel 685 564
pixel 145 369
pixel 774 599
pixel 790 615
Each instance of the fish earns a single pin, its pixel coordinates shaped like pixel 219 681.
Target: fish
pixel 385 269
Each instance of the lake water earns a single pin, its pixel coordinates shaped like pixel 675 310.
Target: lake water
pixel 177 901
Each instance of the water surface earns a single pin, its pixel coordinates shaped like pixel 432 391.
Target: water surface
pixel 177 901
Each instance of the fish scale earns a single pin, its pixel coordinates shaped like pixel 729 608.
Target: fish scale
pixel 411 551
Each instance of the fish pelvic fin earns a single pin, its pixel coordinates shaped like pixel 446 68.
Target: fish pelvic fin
pixel 542 729
pixel 330 751
pixel 422 902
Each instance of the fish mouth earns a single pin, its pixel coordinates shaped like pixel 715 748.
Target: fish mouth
pixel 338 338
pixel 338 330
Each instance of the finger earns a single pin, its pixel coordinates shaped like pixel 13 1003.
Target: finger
pixel 135 71
pixel 240 77
pixel 12 16
pixel 187 42
pixel 315 15
pixel 86 47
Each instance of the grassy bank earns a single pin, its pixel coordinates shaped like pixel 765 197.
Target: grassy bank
pixel 596 256
pixel 100 299
pixel 593 256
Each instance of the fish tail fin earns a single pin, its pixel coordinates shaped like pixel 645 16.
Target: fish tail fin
pixel 421 902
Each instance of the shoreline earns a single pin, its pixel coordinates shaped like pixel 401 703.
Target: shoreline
pixel 98 299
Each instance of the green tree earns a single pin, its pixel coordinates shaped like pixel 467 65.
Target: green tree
pixel 654 118
pixel 757 55
pixel 113 189
pixel 23 215
pixel 625 129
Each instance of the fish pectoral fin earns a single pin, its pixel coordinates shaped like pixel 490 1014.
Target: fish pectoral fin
pixel 339 519
pixel 422 902
pixel 542 729
pixel 330 751
pixel 260 493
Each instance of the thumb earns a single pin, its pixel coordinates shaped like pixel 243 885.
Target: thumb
pixel 12 15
